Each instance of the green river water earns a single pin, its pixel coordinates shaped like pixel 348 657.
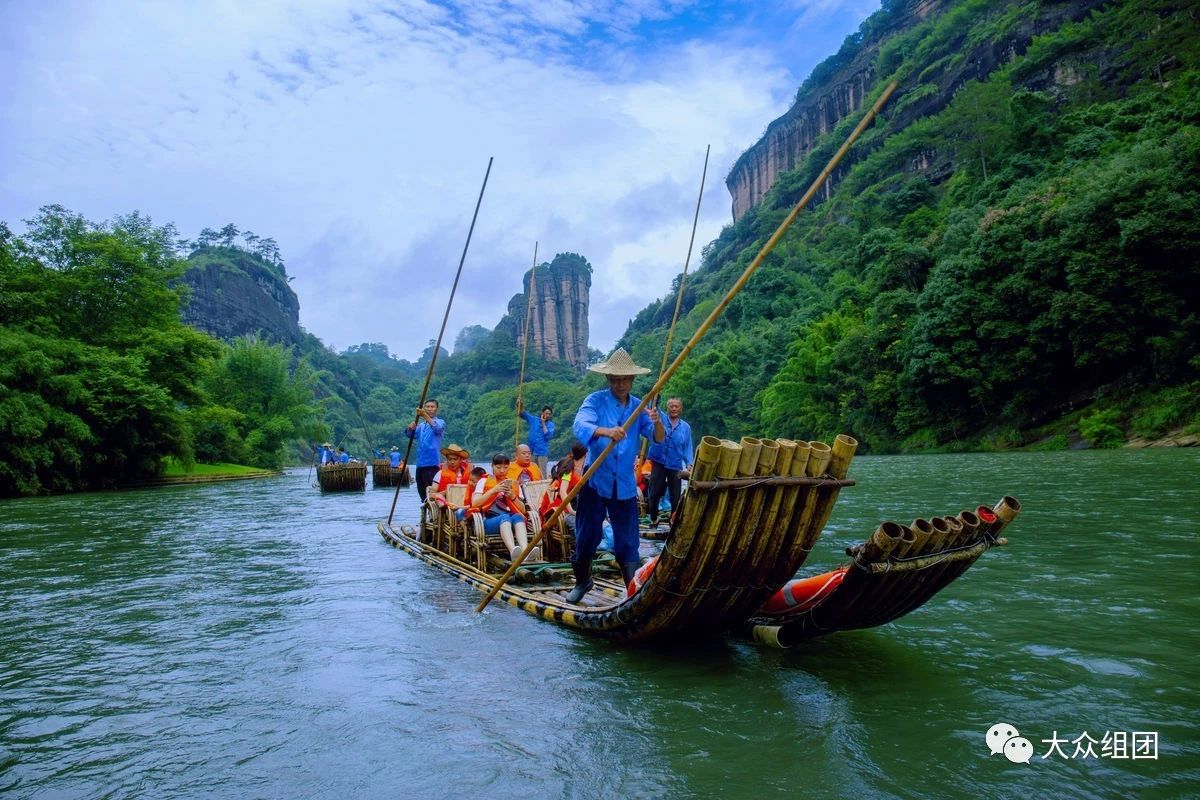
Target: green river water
pixel 260 640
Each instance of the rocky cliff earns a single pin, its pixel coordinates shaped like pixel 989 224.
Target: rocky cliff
pixel 235 293
pixel 558 329
pixel 840 85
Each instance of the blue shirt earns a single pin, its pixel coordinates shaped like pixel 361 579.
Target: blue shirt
pixel 327 456
pixel 614 478
pixel 344 458
pixel 675 451
pixel 429 441
pixel 395 458
pixel 539 443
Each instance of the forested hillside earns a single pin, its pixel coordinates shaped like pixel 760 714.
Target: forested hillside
pixel 1021 267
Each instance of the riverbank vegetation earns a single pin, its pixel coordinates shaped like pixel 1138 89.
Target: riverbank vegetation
pixel 101 381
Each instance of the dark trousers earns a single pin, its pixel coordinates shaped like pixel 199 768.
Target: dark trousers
pixel 425 477
pixel 590 511
pixel 662 481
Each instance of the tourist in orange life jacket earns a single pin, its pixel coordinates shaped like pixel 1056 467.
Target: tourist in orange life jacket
pixel 455 469
pixel 501 502
pixel 523 470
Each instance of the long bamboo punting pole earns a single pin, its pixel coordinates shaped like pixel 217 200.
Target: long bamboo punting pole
pixel 699 334
pixel 525 343
pixel 682 283
pixel 437 347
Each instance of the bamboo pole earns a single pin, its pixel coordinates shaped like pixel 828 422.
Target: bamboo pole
pixel 438 346
pixel 703 329
pixel 525 346
pixel 682 283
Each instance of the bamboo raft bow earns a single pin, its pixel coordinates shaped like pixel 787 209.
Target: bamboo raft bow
pixel 525 346
pixel 351 477
pixel 894 572
pixel 404 478
pixel 697 336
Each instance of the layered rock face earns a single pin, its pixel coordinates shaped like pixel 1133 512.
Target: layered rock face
pixel 849 77
pixel 558 327
pixel 233 294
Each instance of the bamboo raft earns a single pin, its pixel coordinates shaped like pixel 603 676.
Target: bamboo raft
pixel 382 474
pixel 351 477
pixel 752 513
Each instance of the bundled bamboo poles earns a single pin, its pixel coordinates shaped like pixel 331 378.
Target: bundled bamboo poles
pixel 713 566
pixel 350 477
pixel 898 569
pixel 383 474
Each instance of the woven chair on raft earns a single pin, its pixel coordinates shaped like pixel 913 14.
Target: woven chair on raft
pixel 449 534
pixel 479 543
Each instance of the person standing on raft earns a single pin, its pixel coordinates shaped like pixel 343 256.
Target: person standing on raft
pixel 612 490
pixel 428 436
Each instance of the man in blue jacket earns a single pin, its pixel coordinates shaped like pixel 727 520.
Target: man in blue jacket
pixel 541 430
pixel 668 459
pixel 612 490
pixel 428 437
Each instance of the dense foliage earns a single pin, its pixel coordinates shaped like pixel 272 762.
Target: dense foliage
pixel 1044 257
pixel 100 381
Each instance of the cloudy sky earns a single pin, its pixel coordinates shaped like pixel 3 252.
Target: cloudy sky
pixel 356 133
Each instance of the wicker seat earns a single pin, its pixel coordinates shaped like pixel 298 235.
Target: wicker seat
pixel 449 534
pixel 480 544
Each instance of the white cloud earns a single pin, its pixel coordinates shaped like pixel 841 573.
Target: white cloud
pixel 356 135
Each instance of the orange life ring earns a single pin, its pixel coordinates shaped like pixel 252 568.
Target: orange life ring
pixel 803 594
pixel 641 576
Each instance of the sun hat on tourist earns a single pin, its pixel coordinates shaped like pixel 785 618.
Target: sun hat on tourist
pixel 454 450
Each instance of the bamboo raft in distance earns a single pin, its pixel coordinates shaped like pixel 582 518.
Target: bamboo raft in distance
pixel 751 514
pixel 351 477
pixel 382 474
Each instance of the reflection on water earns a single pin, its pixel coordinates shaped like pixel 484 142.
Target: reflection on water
pixel 259 639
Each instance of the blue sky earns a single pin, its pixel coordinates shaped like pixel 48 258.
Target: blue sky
pixel 356 134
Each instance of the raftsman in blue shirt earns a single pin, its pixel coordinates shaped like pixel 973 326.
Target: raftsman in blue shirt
pixel 675 451
pixel 615 478
pixel 429 441
pixel 539 443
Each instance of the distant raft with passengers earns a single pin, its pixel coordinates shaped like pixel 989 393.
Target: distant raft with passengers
pixel 348 477
pixel 751 514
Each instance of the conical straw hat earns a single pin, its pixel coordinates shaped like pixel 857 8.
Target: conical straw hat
pixel 619 363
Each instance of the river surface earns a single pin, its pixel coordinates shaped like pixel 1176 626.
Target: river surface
pixel 260 640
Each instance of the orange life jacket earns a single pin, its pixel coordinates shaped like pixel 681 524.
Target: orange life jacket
pixel 448 476
pixel 502 503
pixel 552 499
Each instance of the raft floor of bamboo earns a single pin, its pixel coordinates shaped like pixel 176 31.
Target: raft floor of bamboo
pixel 605 594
